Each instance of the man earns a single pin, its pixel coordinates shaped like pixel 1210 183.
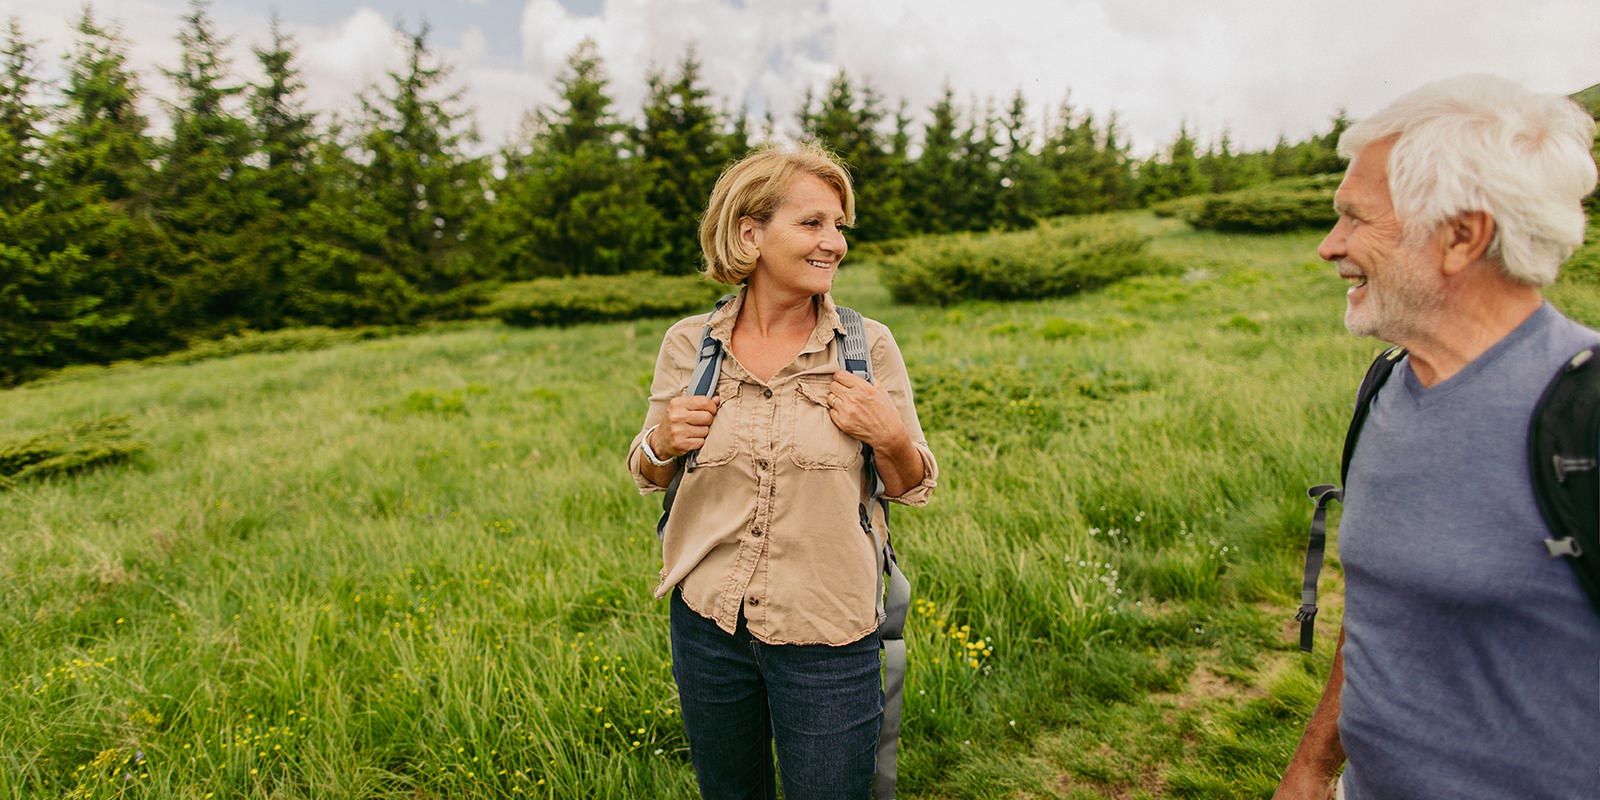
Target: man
pixel 1469 661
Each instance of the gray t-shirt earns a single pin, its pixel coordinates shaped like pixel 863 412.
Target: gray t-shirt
pixel 1471 658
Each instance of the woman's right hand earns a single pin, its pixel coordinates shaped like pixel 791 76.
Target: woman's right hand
pixel 687 425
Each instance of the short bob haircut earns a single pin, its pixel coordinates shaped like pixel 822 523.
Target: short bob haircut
pixel 1483 143
pixel 754 187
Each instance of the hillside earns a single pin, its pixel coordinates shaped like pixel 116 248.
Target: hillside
pixel 415 567
pixel 1589 98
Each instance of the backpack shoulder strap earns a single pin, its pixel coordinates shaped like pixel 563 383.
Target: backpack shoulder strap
pixel 1377 374
pixel 855 357
pixel 702 382
pixel 1325 494
pixel 1563 454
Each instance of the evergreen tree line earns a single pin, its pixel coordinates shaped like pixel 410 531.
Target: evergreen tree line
pixel 255 213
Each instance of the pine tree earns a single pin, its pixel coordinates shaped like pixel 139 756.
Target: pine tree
pixel 572 201
pixel 205 194
pixel 284 143
pixel 978 173
pixel 387 238
pixel 933 182
pixel 85 278
pixel 893 208
pixel 25 282
pixel 1022 180
pixel 849 127
pixel 1175 174
pixel 1069 159
pixel 20 123
pixel 682 149
pixel 1112 168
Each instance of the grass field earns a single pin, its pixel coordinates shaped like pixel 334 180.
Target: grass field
pixel 415 567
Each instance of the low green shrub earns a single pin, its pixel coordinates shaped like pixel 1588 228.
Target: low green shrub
pixel 287 340
pixel 1584 265
pixel 1184 208
pixel 67 449
pixel 1267 209
pixel 601 298
pixel 1060 258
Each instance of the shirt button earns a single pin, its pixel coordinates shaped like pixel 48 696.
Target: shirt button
pixel 755 601
pixel 767 393
pixel 755 531
pixel 761 463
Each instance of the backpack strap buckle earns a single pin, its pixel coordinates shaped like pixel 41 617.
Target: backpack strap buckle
pixel 1565 547
pixel 1565 465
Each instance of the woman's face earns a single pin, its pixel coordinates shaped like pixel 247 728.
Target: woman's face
pixel 800 247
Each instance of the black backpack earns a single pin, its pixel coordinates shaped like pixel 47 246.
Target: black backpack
pixel 1563 456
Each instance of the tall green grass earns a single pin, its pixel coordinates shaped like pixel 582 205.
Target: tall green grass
pixel 415 567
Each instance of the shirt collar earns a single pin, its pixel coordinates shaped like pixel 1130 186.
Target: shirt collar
pixel 828 322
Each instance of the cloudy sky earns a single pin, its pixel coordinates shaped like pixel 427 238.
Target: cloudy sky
pixel 1253 68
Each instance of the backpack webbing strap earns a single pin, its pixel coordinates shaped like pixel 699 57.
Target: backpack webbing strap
pixel 1323 494
pixel 892 639
pixel 702 382
pixel 1563 439
pixel 895 602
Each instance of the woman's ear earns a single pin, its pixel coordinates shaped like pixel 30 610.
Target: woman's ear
pixel 750 234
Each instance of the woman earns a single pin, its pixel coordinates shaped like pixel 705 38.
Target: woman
pixel 772 577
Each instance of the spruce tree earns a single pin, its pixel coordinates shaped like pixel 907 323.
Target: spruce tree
pixel 682 150
pixel 978 173
pixel 285 147
pixel 386 240
pixel 206 195
pixel 1022 179
pixel 20 123
pixel 849 127
pixel 80 259
pixel 1069 158
pixel 1174 174
pixel 933 183
pixel 573 201
pixel 423 184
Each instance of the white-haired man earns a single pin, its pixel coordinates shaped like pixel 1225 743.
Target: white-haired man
pixel 1469 661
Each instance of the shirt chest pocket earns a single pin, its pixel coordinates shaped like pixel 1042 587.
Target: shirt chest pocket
pixel 722 442
pixel 817 443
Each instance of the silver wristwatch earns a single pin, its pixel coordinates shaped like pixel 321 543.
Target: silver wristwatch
pixel 649 454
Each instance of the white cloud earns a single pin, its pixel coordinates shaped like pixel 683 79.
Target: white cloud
pixel 1255 70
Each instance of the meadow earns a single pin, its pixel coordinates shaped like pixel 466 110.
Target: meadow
pixel 415 566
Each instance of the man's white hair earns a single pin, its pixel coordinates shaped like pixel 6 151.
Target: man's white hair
pixel 1483 143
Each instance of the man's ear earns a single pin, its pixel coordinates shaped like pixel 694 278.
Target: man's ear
pixel 1466 239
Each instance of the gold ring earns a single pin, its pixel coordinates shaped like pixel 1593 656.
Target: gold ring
pixel 833 399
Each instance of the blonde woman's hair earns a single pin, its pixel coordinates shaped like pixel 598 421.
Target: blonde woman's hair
pixel 754 187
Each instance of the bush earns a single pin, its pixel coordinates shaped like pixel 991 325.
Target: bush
pixel 1184 208
pixel 1266 209
pixel 66 450
pixel 600 298
pixel 286 340
pixel 1584 265
pixel 1057 259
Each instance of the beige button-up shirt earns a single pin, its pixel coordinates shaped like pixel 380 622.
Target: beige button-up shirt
pixel 768 521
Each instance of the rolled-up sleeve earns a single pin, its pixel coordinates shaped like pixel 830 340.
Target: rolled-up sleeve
pixel 889 372
pixel 673 364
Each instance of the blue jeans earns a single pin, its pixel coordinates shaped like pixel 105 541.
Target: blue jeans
pixel 821 705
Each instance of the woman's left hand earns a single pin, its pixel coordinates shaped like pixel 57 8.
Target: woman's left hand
pixel 864 411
